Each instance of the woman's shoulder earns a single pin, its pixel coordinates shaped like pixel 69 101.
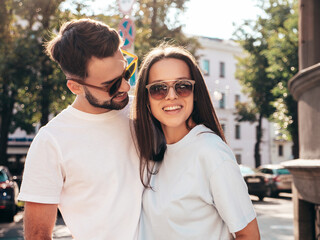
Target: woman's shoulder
pixel 212 149
pixel 207 137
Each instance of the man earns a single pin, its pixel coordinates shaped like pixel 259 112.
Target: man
pixel 84 159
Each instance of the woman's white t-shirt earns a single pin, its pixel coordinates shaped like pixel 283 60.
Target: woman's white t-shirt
pixel 198 193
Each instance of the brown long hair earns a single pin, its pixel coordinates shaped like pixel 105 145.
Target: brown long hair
pixel 150 140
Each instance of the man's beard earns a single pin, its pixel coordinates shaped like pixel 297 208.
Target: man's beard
pixel 110 104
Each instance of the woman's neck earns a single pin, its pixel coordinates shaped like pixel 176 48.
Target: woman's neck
pixel 175 134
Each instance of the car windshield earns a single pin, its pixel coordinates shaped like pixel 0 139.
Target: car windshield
pixel 3 176
pixel 282 171
pixel 246 170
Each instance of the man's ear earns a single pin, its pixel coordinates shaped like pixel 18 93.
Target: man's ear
pixel 74 87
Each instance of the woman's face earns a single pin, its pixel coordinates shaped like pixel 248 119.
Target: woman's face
pixel 173 110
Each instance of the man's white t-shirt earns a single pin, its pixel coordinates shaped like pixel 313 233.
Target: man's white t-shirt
pixel 88 165
pixel 198 193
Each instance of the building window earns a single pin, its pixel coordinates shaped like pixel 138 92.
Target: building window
pixel 222 101
pixel 222 69
pixel 237 131
pixel 236 98
pixel 206 67
pixel 238 158
pixel 280 150
pixel 223 126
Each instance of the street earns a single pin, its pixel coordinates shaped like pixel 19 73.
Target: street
pixel 275 219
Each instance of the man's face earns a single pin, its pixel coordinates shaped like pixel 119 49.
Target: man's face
pixel 100 73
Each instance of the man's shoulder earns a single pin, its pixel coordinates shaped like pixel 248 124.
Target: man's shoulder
pixel 55 122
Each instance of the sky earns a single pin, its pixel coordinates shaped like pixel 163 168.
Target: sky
pixel 214 18
pixel 209 18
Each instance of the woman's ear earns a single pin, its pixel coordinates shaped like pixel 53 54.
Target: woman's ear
pixel 74 87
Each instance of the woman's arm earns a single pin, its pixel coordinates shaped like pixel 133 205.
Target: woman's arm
pixel 250 232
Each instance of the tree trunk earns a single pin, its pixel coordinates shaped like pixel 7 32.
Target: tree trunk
pixel 257 156
pixel 8 101
pixel 45 101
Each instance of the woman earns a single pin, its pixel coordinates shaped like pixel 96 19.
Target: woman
pixel 194 188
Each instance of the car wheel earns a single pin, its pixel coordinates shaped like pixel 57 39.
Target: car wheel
pixel 10 215
pixel 275 194
pixel 268 192
pixel 261 197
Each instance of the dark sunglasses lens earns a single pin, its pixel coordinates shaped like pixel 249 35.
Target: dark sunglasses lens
pixel 158 91
pixel 130 71
pixel 115 86
pixel 183 88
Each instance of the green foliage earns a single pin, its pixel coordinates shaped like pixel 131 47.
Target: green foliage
pixel 155 23
pixel 31 85
pixel 246 112
pixel 271 60
pixel 271 43
pixel 283 58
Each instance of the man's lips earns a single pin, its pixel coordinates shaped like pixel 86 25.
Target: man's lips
pixel 120 95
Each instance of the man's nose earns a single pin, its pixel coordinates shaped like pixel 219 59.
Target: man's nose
pixel 125 86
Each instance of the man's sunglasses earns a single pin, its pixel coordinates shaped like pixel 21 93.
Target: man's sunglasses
pixel 159 90
pixel 115 84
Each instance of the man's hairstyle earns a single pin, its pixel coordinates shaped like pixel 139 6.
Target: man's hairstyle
pixel 78 41
pixel 149 137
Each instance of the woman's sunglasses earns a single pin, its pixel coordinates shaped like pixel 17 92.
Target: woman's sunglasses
pixel 115 84
pixel 159 90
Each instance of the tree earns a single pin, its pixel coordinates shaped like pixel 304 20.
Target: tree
pixel 32 86
pixel 283 59
pixel 13 68
pixel 154 24
pixel 271 58
pixel 43 18
pixel 252 75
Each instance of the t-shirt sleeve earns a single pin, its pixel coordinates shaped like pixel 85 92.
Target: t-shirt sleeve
pixel 42 178
pixel 229 190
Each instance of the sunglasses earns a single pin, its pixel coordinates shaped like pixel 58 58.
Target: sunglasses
pixel 114 85
pixel 159 90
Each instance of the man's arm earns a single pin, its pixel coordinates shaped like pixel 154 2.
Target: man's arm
pixel 250 232
pixel 39 220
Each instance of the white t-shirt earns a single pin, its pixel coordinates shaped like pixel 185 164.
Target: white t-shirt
pixel 88 165
pixel 199 192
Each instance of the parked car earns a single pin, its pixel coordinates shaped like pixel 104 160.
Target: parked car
pixel 281 178
pixel 9 191
pixel 258 184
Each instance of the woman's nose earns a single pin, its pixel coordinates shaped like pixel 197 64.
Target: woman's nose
pixel 171 93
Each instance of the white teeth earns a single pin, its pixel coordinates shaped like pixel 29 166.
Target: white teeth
pixel 171 108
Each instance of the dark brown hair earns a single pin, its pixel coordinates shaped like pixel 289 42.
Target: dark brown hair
pixel 78 41
pixel 150 140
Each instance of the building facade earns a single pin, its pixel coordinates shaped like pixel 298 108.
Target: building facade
pixel 218 63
